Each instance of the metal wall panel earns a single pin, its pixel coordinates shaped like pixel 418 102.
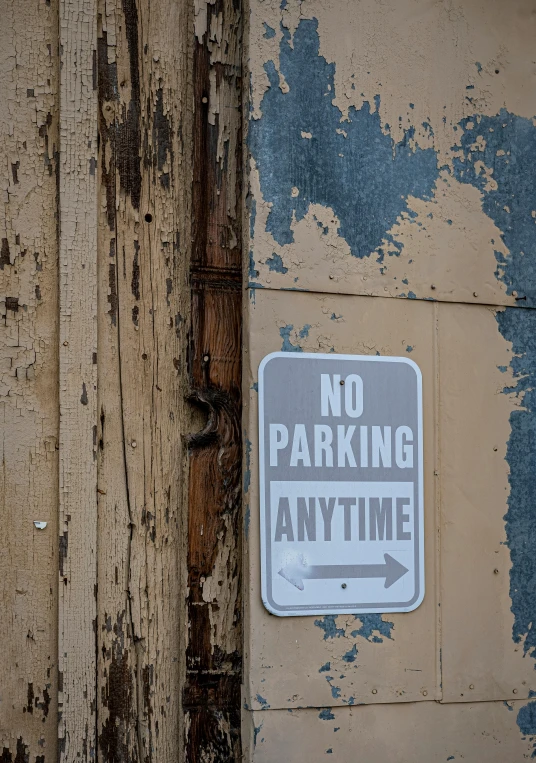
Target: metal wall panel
pixel 389 144
pixel 329 660
pixel 390 147
pixel 427 731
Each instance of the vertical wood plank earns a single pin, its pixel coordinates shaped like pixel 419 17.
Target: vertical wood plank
pixel 78 380
pixel 144 241
pixel 28 380
pixel 214 656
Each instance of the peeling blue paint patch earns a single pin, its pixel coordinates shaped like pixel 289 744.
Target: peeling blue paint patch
pixel 371 624
pixel 275 263
pixel 262 702
pixel 304 333
pixel 526 720
pixel 327 623
pixel 451 757
pixel 247 472
pixel 335 690
pixel 519 327
pixel 510 708
pixel 382 174
pixel 247 520
pixel 252 272
pixel 255 386
pixel 256 731
pixel 325 667
pixel 350 655
pixel 287 345
pixel 326 714
pixel 509 198
pixel 409 348
pixel 329 751
pixel 252 208
pixel 335 317
pixel 269 32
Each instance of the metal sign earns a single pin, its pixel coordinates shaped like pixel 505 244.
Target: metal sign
pixel 341 484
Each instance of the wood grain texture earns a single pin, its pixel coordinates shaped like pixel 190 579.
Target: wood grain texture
pixel 144 243
pixel 28 381
pixel 78 380
pixel 214 656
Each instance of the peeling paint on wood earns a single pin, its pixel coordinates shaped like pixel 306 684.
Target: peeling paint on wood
pixel 78 414
pixel 28 381
pixel 214 655
pixel 144 180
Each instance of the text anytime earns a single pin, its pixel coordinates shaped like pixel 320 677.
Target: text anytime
pixel 384 520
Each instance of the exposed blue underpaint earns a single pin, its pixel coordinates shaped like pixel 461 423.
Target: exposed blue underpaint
pixel 275 263
pixel 519 327
pixel 526 720
pixel 371 624
pixel 409 348
pixel 508 706
pixel 304 332
pixel 451 757
pixel 325 667
pixel 247 472
pixel 252 206
pixel 262 702
pixel 247 520
pixel 269 32
pixel 287 345
pixel 326 714
pixel 256 731
pixel 329 751
pixel 327 623
pixel 335 690
pixel 380 173
pixel 350 655
pixel 510 148
pixel 252 272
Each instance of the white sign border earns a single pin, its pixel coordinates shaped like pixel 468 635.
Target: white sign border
pixel 329 610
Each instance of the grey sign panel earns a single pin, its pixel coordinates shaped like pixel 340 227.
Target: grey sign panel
pixel 341 484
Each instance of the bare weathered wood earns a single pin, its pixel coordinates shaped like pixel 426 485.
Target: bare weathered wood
pixel 78 380
pixel 144 242
pixel 28 381
pixel 214 656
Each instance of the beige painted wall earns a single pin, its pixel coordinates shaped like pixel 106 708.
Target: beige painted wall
pixel 448 86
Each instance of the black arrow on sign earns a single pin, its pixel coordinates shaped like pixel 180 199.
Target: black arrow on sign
pixel 391 570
